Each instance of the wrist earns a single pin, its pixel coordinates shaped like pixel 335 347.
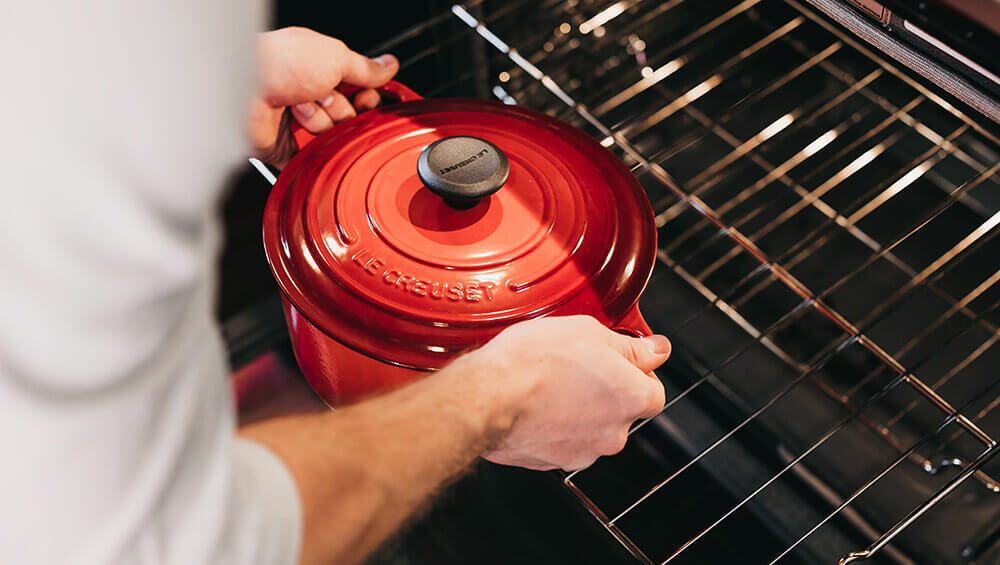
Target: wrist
pixel 488 395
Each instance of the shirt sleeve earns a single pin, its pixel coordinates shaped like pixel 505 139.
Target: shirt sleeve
pixel 121 120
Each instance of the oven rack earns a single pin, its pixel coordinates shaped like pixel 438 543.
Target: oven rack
pixel 780 268
pixel 708 227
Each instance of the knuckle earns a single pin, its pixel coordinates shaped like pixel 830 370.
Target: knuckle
pixel 587 327
pixel 657 395
pixel 298 32
pixel 660 392
pixel 579 462
pixel 621 440
pixel 313 84
pixel 339 45
pixel 632 351
pixel 615 443
pixel 317 123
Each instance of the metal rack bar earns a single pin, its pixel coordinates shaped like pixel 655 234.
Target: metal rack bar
pixel 847 223
pixel 896 182
pixel 855 411
pixel 938 496
pixel 812 198
pixel 643 84
pixel 780 171
pixel 882 431
pixel 891 68
pixel 911 451
pixel 820 236
pixel 675 64
pixel 579 108
pixel 955 416
pixel 718 301
pixel 614 530
pixel 810 63
pixel 671 66
pixel 721 73
pixel 988 481
pixel 714 301
pixel 413 32
pixel 969 359
pixel 868 484
pixel 780 273
pixel 826 355
pixel 909 120
pixel 905 179
pixel 810 149
pixel 797 115
pixel 832 215
pixel 932 214
pixel 895 530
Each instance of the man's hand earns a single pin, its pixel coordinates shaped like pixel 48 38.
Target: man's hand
pixel 300 69
pixel 569 387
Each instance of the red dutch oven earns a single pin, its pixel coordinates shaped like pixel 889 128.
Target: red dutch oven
pixel 417 231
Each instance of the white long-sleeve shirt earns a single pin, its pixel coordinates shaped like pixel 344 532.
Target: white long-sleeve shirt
pixel 120 120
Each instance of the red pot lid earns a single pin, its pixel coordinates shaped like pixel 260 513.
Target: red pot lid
pixel 377 260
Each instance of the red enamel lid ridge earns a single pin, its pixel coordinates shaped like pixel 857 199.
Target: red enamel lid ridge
pixel 410 268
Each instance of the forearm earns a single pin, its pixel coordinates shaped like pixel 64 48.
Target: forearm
pixel 362 470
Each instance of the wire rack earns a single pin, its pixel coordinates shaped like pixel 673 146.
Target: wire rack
pixel 837 218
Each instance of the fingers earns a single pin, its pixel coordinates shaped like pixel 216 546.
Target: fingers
pixel 359 70
pixel 642 394
pixel 367 99
pixel 337 107
pixel 615 442
pixel 312 117
pixel 641 355
pixel 654 397
pixel 299 69
pixel 646 353
pixel 323 114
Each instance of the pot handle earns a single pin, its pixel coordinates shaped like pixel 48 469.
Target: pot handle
pixel 633 324
pixel 396 92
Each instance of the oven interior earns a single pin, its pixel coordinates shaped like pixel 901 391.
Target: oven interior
pixel 829 273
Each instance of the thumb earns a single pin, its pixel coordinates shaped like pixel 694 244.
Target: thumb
pixel 646 353
pixel 361 71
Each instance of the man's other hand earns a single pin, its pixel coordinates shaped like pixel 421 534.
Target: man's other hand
pixel 299 69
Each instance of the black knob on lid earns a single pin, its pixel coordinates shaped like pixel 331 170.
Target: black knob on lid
pixel 462 170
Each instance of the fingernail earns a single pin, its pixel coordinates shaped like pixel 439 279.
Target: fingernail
pixel 657 344
pixel 326 101
pixel 384 60
pixel 305 110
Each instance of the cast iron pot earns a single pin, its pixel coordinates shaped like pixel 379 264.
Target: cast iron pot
pixel 417 231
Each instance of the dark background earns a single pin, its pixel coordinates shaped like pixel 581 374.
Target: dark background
pixel 362 25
